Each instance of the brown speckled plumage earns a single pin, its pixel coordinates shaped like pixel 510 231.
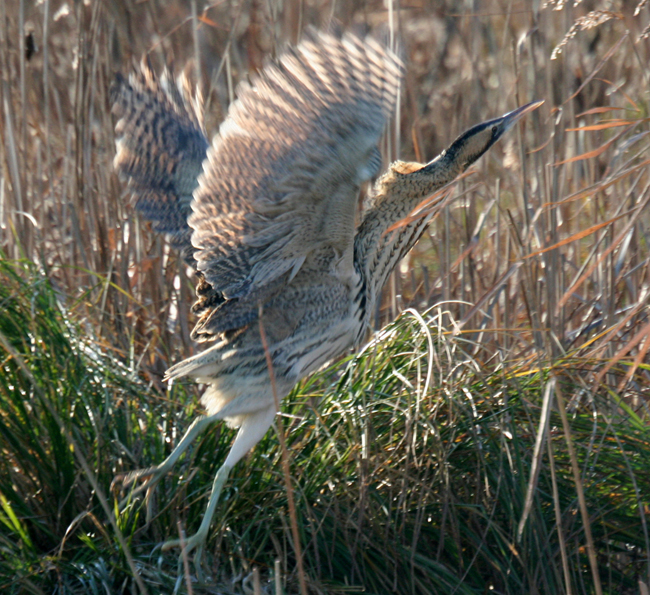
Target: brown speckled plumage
pixel 270 222
pixel 161 145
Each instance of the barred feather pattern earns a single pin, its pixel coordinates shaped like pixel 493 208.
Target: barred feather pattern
pixel 272 219
pixel 274 215
pixel 161 146
pixel 282 177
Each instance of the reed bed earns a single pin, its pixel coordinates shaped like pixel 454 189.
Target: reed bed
pixel 494 438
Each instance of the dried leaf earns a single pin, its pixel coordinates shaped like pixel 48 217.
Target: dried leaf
pixel 596 152
pixel 579 235
pixel 591 190
pixel 208 21
pixel 598 110
pixel 644 333
pixel 615 243
pixel 606 125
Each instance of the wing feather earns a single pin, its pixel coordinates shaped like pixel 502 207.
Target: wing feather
pixel 282 176
pixel 161 145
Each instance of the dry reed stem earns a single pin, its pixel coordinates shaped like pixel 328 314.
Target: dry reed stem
pixel 285 461
pixel 558 519
pixel 184 557
pixel 582 503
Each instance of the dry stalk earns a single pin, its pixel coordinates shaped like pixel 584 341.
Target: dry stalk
pixel 285 462
pixel 577 480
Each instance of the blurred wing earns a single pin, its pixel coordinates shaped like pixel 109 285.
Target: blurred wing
pixel 161 145
pixel 282 177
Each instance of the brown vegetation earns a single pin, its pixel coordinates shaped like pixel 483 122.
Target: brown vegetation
pixel 542 259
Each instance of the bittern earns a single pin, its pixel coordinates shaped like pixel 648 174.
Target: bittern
pixel 270 225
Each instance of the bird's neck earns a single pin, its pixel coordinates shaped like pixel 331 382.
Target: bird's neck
pixel 395 195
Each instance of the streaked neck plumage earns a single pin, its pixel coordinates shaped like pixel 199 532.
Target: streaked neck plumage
pixel 395 195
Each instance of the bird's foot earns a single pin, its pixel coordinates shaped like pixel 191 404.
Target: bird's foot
pixel 195 544
pixel 152 475
pixel 197 541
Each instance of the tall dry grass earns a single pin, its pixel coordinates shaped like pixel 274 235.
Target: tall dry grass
pixel 541 259
pixel 543 252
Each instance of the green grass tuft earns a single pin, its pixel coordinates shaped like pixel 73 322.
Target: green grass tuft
pixel 410 466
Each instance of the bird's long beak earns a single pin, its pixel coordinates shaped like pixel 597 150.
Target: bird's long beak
pixel 473 143
pixel 515 115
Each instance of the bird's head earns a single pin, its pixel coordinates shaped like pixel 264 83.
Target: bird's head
pixel 405 184
pixel 470 145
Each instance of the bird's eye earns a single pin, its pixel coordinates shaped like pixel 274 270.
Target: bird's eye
pixel 494 129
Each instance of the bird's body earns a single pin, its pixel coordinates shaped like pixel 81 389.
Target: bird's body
pixel 272 225
pixel 310 322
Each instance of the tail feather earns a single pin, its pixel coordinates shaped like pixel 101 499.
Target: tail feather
pixel 220 359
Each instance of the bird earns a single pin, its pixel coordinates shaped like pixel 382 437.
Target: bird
pixel 290 266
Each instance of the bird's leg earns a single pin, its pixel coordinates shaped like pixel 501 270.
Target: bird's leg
pixel 252 429
pixel 197 541
pixel 155 474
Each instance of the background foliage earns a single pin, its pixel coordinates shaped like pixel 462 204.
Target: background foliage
pixel 414 463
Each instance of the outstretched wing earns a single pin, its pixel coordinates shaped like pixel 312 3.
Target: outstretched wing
pixel 161 145
pixel 282 177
